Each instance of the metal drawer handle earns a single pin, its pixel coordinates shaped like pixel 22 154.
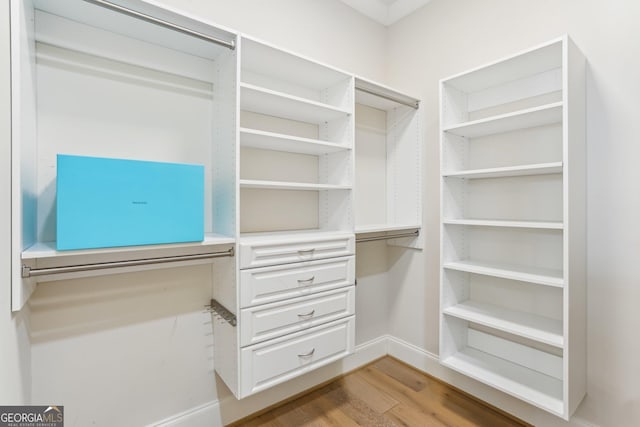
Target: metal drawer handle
pixel 308 354
pixel 306 281
pixel 308 315
pixel 306 251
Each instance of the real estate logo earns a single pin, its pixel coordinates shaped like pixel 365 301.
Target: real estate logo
pixel 32 416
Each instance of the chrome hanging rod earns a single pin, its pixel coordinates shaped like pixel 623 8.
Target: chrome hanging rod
pixel 387 237
pixel 129 12
pixel 412 104
pixel 32 272
pixel 223 312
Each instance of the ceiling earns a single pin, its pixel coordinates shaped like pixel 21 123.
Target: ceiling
pixel 386 12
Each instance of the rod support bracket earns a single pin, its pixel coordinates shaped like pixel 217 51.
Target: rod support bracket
pixel 223 312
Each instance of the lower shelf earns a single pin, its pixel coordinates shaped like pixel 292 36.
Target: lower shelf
pixel 44 263
pixel 531 386
pixel 527 325
pixel 377 228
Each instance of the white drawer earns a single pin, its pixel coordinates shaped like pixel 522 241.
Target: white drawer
pixel 272 362
pixel 269 321
pixel 306 247
pixel 270 284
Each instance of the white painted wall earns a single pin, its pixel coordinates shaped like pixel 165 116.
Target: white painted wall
pixel 326 30
pixel 450 36
pixel 15 355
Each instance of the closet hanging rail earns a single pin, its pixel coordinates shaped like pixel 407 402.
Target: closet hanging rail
pixel 387 237
pixel 33 272
pixel 408 101
pixel 129 12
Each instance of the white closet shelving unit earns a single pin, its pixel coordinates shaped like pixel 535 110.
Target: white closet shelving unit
pixel 388 179
pixel 294 293
pixel 296 143
pixel 513 225
pixel 276 135
pixel 88 79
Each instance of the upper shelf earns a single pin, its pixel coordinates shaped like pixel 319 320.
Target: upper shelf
pixel 279 142
pixel 523 119
pixel 382 97
pixel 261 58
pixel 506 271
pixel 520 65
pixel 521 170
pixel 117 21
pixel 266 101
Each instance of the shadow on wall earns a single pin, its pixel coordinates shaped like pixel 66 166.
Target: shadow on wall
pixel 74 307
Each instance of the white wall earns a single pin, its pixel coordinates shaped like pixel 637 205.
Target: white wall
pixel 326 30
pixel 15 356
pixel 450 36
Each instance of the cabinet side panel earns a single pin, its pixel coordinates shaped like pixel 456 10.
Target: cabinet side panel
pixel 225 135
pixel 23 144
pixel 371 158
pixel 225 336
pixel 404 172
pixel 575 222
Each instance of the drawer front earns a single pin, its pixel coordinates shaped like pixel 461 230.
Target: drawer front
pixel 264 253
pixel 270 284
pixel 270 321
pixel 272 362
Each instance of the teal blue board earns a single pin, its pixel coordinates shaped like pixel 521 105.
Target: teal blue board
pixel 111 202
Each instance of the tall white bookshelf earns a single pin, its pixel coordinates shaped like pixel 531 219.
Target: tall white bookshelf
pixel 513 225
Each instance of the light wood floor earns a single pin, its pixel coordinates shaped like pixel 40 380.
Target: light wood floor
pixel 384 393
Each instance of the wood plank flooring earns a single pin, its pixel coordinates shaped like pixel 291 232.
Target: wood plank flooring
pixel 386 393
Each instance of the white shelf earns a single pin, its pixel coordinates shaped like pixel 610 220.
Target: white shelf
pixel 379 228
pixel 545 225
pixel 523 119
pixel 292 236
pixel 540 276
pixel 527 325
pixel 48 249
pixel 266 101
pixel 529 62
pixel 279 142
pixel 261 58
pixel 45 256
pixel 531 386
pixel 392 98
pixel 523 170
pixel 281 185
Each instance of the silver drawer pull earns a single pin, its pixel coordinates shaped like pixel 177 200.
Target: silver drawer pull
pixel 308 315
pixel 306 251
pixel 306 281
pixel 308 354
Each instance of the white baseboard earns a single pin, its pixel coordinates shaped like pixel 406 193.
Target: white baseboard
pixel 207 415
pixel 429 363
pixel 228 409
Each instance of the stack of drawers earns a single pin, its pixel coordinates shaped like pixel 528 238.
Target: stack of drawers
pixel 297 306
